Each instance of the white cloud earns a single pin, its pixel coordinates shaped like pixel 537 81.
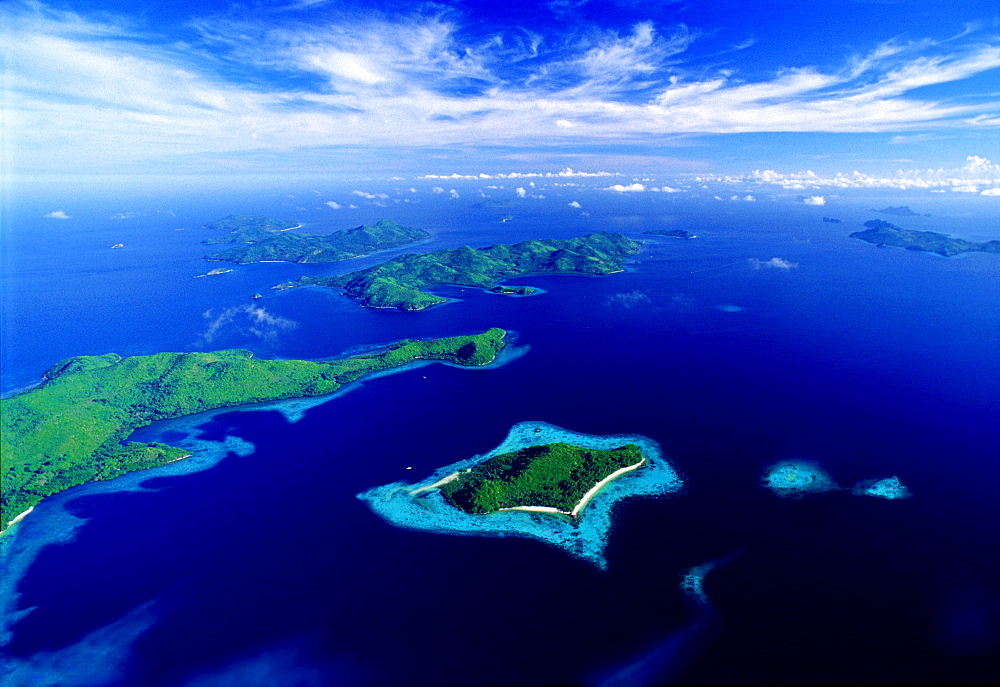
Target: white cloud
pixel 453 193
pixel 969 188
pixel 631 188
pixel 574 204
pixel 521 192
pixel 814 200
pixel 370 196
pixel 127 215
pixel 57 214
pixel 437 189
pixel 773 263
pixel 334 205
pixel 991 192
pixel 245 321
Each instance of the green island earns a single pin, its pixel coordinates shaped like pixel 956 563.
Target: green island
pixel 72 428
pixel 246 228
pixel 398 283
pixel 885 234
pixel 553 478
pixel 214 272
pixel 672 233
pixel 309 248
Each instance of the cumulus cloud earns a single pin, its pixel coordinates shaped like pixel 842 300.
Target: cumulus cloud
pixel 370 196
pixel 521 192
pixel 246 322
pixel 453 193
pixel 621 188
pixel 566 172
pixel 991 192
pixel 629 299
pixel 773 263
pixel 574 204
pixel 333 205
pixel 56 214
pixel 437 189
pixel 814 200
pixel 968 188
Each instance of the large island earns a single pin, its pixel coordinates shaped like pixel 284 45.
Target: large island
pixel 542 482
pixel 310 248
pixel 885 234
pixel 72 429
pixel 399 283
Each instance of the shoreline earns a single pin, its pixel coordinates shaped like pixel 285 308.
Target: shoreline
pixel 16 520
pixel 444 480
pixel 584 500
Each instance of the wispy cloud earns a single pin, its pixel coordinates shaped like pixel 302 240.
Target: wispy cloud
pixel 56 214
pixel 773 263
pixel 333 205
pixel 814 200
pixel 245 321
pixel 100 90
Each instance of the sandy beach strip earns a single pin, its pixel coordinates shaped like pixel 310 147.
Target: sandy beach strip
pixel 16 520
pixel 444 480
pixel 600 485
pixel 537 509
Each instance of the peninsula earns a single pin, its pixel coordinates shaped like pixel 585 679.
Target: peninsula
pixel 247 228
pixel 672 233
pixel 554 478
pixel 885 234
pixel 310 248
pixel 399 283
pixel 73 428
pixel 542 482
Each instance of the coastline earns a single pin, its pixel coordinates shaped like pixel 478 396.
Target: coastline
pixel 444 480
pixel 16 520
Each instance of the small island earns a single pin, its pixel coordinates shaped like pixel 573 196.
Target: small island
pixel 543 482
pixel 74 427
pixel 117 245
pixel 901 211
pixel 312 248
pixel 399 283
pixel 832 220
pixel 672 233
pixel 883 233
pixel 216 271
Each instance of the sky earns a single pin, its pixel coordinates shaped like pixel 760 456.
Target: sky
pixel 874 91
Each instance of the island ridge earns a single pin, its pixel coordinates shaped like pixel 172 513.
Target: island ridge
pixel 883 233
pixel 71 429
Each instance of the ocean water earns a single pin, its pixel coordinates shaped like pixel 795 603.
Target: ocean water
pixel 255 562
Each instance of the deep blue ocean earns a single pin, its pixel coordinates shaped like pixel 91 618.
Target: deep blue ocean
pixel 254 563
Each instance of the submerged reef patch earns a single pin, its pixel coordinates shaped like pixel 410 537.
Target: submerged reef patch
pixel 889 488
pixel 798 478
pixel 422 507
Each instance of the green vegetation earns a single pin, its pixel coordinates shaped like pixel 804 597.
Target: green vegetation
pixel 306 248
pixel 398 283
pixel 553 476
pixel 885 234
pixel 244 228
pixel 70 430
pixel 672 233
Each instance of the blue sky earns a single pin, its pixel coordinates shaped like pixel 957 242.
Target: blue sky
pixel 718 89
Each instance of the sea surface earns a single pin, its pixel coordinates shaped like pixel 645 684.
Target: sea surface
pixel 254 562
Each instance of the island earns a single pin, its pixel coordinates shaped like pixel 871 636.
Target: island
pixel 672 233
pixel 832 220
pixel 117 245
pixel 542 482
pixel 247 228
pixel 883 233
pixel 310 248
pixel 901 211
pixel 74 427
pixel 399 283
pixel 214 272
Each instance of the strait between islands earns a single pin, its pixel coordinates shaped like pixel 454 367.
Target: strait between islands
pixel 73 428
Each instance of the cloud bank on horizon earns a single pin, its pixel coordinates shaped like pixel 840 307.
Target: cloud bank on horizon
pixel 233 86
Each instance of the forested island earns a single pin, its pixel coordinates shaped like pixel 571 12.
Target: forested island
pixel 246 228
pixel 72 428
pixel 885 234
pixel 398 283
pixel 554 478
pixel 671 233
pixel 308 248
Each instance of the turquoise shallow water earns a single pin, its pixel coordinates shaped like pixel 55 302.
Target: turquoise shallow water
pixel 258 559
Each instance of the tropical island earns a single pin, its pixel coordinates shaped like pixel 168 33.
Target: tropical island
pixel 247 228
pixel 883 233
pixel 310 248
pixel 901 211
pixel 554 478
pixel 73 428
pixel 399 283
pixel 542 482
pixel 672 233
